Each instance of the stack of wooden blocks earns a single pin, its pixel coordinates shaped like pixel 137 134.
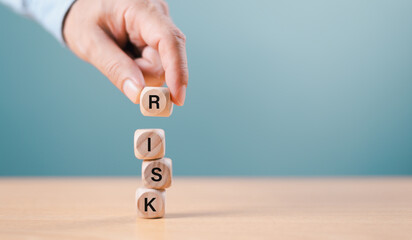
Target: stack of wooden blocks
pixel 150 146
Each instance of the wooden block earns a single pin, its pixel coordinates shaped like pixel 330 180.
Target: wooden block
pixel 150 202
pixel 149 144
pixel 156 102
pixel 157 174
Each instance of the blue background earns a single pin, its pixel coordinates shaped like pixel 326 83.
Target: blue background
pixel 276 88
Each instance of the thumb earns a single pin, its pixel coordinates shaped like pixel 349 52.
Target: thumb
pixel 116 65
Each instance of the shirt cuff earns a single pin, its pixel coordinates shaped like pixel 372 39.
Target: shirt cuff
pixel 52 15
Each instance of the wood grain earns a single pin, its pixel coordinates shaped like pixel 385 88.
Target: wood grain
pixel 150 202
pixel 157 174
pixel 149 149
pixel 208 208
pixel 163 106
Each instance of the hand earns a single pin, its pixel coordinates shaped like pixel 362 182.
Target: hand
pixel 133 42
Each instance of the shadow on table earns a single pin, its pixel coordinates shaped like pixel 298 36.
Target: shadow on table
pixel 203 214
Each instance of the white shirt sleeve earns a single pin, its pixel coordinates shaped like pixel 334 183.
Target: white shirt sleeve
pixel 49 13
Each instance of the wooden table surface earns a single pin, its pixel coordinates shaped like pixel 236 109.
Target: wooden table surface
pixel 208 208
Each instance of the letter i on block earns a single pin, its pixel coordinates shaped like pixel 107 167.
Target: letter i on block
pixel 149 144
pixel 150 203
pixel 156 102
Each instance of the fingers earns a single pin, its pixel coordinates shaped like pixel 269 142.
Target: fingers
pixel 162 6
pixel 158 31
pixel 122 71
pixel 172 51
pixel 151 67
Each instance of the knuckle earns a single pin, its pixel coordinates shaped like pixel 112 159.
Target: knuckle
pixel 175 36
pixel 112 70
pixel 141 7
pixel 146 5
pixel 165 6
pixel 152 8
pixel 142 4
pixel 180 36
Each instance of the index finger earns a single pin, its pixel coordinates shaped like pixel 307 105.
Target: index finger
pixel 159 32
pixel 172 51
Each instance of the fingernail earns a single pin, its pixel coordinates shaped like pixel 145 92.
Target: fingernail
pixel 130 90
pixel 181 95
